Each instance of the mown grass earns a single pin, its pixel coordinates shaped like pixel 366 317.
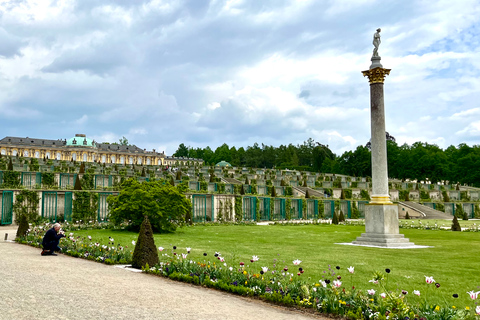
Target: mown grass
pixel 453 259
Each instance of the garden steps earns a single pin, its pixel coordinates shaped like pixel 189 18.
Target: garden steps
pixel 231 180
pixel 427 212
pixel 312 192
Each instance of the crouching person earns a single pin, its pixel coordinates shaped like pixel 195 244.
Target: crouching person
pixel 51 239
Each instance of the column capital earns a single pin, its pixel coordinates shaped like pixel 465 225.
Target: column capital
pixel 376 75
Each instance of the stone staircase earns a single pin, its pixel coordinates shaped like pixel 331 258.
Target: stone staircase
pixel 231 181
pixel 311 192
pixel 425 212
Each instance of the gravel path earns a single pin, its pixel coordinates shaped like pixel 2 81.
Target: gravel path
pixel 62 287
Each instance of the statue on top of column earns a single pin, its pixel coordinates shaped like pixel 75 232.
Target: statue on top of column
pixel 376 42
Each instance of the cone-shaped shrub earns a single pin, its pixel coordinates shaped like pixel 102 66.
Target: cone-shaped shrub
pixel 305 183
pixel 145 249
pixel 455 224
pixel 144 174
pixel 78 185
pixel 407 216
pixel 242 190
pixel 335 218
pixel 274 192
pixel 82 168
pixel 341 217
pixel 246 181
pixel 178 175
pixel 172 182
pixel 465 215
pixel 22 226
pixel 10 165
pixel 307 194
pixel 342 195
pixel 212 177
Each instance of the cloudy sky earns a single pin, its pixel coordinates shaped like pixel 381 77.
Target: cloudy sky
pixel 204 73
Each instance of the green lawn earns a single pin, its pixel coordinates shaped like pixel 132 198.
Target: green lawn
pixel 453 261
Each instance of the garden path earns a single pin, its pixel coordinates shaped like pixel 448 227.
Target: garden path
pixel 62 287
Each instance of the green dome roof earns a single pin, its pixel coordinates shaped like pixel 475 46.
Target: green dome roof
pixel 80 141
pixel 223 164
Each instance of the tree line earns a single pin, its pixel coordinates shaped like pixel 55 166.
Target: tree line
pixel 419 161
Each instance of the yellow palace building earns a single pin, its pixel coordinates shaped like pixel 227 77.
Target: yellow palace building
pixel 79 148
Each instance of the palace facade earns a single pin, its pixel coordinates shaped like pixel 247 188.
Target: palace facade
pixel 81 148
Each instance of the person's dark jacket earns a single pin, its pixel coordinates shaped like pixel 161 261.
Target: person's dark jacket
pixel 51 236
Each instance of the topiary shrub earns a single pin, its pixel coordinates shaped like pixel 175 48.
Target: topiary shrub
pixel 307 194
pixel 78 185
pixel 341 217
pixel 455 224
pixel 407 216
pixel 335 218
pixel 145 250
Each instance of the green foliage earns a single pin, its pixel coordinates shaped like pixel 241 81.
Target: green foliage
pixel 273 192
pixel 403 195
pixel 288 191
pixel 238 208
pixel 364 194
pixel 34 165
pixel 446 198
pixel 307 194
pixel 288 209
pixel 145 252
pixel 82 168
pixel 342 195
pixel 10 165
pixel 11 179
pixel 321 210
pixel 407 216
pixel 424 195
pixel 48 179
pixel 355 212
pixel 87 182
pixel 26 204
pixel 459 210
pixel 164 205
pixel 85 205
pixel 341 217
pixel 455 224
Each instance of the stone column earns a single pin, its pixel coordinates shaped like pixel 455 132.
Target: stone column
pixel 381 215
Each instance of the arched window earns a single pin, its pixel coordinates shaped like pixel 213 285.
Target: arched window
pixel 104 158
pixel 139 160
pixel 148 161
pixel 14 153
pixel 122 160
pixel 93 157
pixel 47 155
pixel 4 152
pixel 37 154
pixel 59 156
pixel 131 160
pixel 25 153
pixel 84 157
pixel 74 157
pixel 113 159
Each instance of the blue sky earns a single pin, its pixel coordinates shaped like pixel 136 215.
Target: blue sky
pixel 206 73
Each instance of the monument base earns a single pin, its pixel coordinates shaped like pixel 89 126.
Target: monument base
pixel 381 228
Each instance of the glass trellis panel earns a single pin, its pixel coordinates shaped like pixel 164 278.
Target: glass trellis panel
pixel 193 185
pixel 68 206
pixel 7 207
pixel 264 208
pixel 278 209
pixel 430 205
pixel 450 208
pixel 199 208
pixel 249 208
pixel 312 209
pixel 345 206
pixel 67 179
pixel 329 208
pixel 49 205
pixel 102 181
pixel 296 209
pixel 102 214
pixel 361 208
pixel 469 209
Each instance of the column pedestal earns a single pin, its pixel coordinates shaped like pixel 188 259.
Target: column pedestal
pixel 381 228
